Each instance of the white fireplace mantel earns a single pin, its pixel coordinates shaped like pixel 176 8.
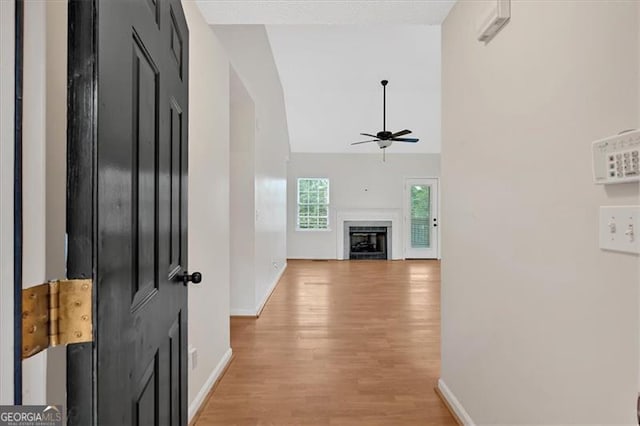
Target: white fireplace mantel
pixel 392 215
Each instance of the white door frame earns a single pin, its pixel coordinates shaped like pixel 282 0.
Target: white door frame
pixel 405 212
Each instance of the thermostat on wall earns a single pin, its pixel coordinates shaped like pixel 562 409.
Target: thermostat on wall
pixel 616 159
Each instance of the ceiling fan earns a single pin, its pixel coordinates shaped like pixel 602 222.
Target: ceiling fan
pixel 385 138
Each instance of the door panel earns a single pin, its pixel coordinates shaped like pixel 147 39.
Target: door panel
pixel 135 163
pixel 421 220
pixel 145 172
pixel 146 407
pixel 175 188
pixel 175 372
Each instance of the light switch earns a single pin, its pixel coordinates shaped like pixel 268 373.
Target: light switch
pixel 619 226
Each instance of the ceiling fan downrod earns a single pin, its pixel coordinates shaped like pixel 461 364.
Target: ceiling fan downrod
pixel 384 104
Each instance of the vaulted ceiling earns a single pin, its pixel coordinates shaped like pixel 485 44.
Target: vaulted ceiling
pixel 331 79
pixel 331 56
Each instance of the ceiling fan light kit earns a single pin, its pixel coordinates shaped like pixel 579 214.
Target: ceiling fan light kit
pixel 385 138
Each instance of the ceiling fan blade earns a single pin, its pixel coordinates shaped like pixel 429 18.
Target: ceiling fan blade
pixel 412 140
pixel 401 133
pixel 367 134
pixel 373 140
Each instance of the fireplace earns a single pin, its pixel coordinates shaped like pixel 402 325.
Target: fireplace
pixel 369 218
pixel 367 242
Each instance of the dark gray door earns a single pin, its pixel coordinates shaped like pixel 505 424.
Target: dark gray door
pixel 127 218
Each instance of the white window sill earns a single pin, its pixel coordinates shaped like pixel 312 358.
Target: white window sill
pixel 312 230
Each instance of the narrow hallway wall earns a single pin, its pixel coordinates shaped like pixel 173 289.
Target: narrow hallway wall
pixel 208 206
pixel 539 326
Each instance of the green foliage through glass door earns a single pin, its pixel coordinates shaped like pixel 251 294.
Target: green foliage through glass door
pixel 420 216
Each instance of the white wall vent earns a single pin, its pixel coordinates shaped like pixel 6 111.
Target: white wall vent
pixel 494 20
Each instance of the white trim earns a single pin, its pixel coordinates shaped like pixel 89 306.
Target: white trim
pixel 7 92
pixel 439 218
pixel 206 388
pixel 240 312
pixel 313 229
pixel 392 215
pixel 34 180
pixel 310 258
pixel 271 288
pixel 455 405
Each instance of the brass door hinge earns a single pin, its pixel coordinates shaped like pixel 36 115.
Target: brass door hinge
pixel 56 313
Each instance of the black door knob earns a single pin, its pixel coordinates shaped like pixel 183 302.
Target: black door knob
pixel 195 278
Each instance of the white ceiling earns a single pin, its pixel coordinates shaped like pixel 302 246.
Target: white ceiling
pixel 391 12
pixel 331 80
pixel 331 73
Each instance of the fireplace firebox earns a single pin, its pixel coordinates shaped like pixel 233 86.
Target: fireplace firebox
pixel 368 242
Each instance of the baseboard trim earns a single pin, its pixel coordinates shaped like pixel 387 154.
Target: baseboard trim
pixel 312 258
pixel 274 284
pixel 233 312
pixel 248 313
pixel 209 386
pixel 453 405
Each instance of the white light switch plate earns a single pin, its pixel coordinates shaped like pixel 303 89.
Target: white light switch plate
pixel 620 228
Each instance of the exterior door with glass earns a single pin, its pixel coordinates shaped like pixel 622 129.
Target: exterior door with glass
pixel 421 218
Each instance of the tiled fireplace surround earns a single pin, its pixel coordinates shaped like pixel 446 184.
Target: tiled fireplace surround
pixel 391 218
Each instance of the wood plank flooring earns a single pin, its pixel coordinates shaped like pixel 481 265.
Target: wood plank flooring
pixel 339 343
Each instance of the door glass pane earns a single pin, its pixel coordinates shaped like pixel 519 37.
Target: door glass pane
pixel 420 216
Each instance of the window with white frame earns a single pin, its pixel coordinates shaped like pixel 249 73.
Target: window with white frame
pixel 313 204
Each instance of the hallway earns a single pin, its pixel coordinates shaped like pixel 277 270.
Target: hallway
pixel 338 343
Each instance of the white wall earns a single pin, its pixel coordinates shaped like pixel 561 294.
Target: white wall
pixel 243 232
pixel 539 326
pixel 357 181
pixel 250 54
pixel 7 10
pixel 208 205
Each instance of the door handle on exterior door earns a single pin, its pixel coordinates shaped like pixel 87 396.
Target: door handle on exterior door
pixel 435 222
pixel 195 278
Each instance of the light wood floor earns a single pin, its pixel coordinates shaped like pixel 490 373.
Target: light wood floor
pixel 339 343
